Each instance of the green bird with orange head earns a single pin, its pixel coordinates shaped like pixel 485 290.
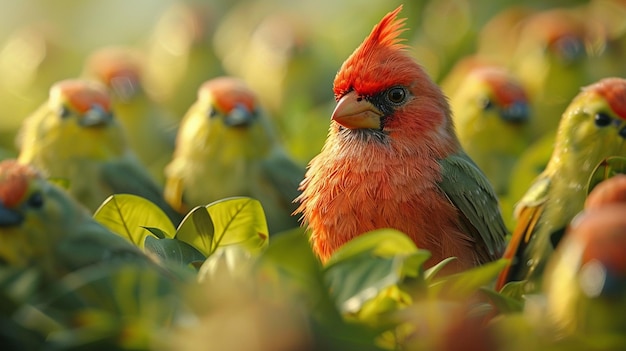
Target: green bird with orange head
pixel 592 128
pixel 392 159
pixel 75 136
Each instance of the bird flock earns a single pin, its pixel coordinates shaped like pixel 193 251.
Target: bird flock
pixel 267 175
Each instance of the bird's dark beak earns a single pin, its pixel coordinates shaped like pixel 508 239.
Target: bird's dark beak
pixel 517 113
pixel 354 112
pixel 9 217
pixel 96 116
pixel 239 116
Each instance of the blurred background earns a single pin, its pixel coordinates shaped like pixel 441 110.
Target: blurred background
pixel 288 51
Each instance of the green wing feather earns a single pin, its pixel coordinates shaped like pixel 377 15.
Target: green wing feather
pixel 469 190
pixel 284 175
pixel 127 177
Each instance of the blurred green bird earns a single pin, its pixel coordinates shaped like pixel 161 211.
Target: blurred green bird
pixel 180 55
pixel 41 225
pixel 150 130
pixel 227 147
pixel 585 280
pixel 592 128
pixel 551 59
pixel 75 137
pixel 98 287
pixel 492 116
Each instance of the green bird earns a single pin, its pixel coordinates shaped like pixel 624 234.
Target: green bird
pixel 227 147
pixel 150 130
pixel 74 136
pixel 97 285
pixel 585 280
pixel 491 113
pixel 552 60
pixel 592 128
pixel 42 226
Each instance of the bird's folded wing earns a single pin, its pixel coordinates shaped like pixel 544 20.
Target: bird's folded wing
pixel 469 190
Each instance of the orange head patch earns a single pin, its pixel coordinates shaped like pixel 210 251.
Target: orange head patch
pixel 14 182
pixel 81 95
pixel 228 92
pixel 110 63
pixel 614 91
pixel 366 70
pixel 506 89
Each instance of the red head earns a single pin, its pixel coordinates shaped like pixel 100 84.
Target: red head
pixel 15 179
pixel 614 91
pixel 81 95
pixel 380 87
pixel 112 64
pixel 228 92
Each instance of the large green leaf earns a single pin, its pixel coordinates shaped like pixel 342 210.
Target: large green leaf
pixel 503 303
pixel 173 250
pixel 127 215
pixel 606 169
pixel 465 284
pixel 232 261
pixel 370 264
pixel 289 263
pixel 232 221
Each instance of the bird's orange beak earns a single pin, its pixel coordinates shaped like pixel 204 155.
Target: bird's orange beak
pixel 354 112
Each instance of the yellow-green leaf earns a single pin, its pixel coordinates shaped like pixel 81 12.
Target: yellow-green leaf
pixel 463 285
pixel 233 221
pixel 369 264
pixel 128 215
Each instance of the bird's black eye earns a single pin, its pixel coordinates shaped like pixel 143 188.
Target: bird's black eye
pixel 396 95
pixel 622 133
pixel 64 111
pixel 485 103
pixel 212 112
pixel 35 200
pixel 602 119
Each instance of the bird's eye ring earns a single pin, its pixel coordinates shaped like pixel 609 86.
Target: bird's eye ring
pixel 35 200
pixel 602 119
pixel 396 95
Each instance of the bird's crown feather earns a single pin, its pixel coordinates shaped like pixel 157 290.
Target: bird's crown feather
pixel 614 91
pixel 383 40
pixel 80 94
pixel 14 182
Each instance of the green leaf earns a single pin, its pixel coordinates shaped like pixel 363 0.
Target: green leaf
pixel 289 265
pixel 431 273
pixel 503 303
pixel 173 250
pixel 232 261
pixel 157 232
pixel 371 263
pixel 128 215
pixel 606 169
pixel 464 284
pixel 232 221
pixel 515 290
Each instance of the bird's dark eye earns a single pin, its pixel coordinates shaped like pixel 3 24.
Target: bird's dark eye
pixel 212 112
pixel 64 112
pixel 485 103
pixel 622 133
pixel 35 200
pixel 396 95
pixel 602 119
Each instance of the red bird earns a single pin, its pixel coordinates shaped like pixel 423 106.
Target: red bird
pixel 392 160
